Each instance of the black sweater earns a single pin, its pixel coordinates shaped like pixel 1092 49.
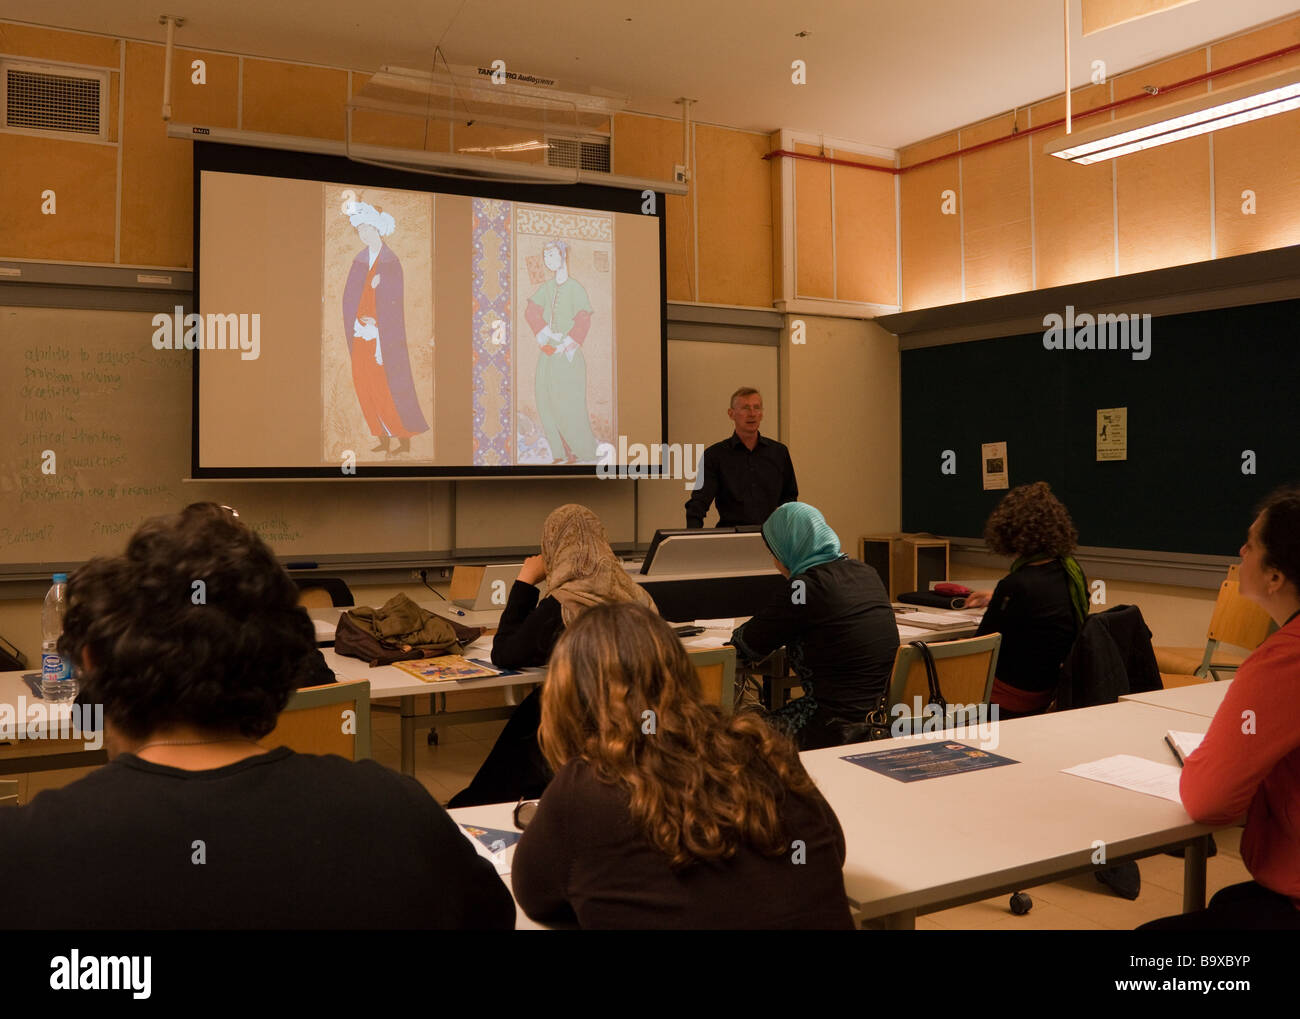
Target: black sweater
pixel 837 625
pixel 280 840
pixel 1032 610
pixel 583 858
pixel 528 629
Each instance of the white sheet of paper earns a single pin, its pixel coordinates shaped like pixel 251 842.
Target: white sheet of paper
pixel 1136 773
pixel 324 630
pixel 716 624
pixel 910 633
pixel 1187 741
pixel 705 643
pixel 479 648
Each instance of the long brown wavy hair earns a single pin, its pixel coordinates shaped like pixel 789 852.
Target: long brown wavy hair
pixel 1030 519
pixel 622 695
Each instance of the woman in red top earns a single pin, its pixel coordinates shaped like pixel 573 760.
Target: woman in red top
pixel 1249 761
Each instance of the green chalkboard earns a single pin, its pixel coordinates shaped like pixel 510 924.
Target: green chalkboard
pixel 1216 385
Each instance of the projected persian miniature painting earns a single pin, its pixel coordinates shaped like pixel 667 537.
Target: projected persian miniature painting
pixel 377 384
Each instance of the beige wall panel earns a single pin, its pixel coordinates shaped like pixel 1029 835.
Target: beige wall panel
pixel 814 258
pixel 1163 194
pixel 735 207
pixel 998 246
pixel 866 232
pixel 930 241
pixel 928 149
pixel 83 177
pixel 778 223
pixel 1253 44
pixel 1074 211
pixel 650 147
pixel 1263 157
pixel 291 99
pixel 51 44
pixel 213 104
pixel 843 428
pixel 157 171
pixel 701 376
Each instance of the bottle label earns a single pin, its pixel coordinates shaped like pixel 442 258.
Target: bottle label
pixel 54 667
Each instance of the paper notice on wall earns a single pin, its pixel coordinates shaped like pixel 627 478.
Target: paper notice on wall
pixel 993 455
pixel 1112 434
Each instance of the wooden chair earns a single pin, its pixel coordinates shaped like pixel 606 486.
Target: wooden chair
pixel 315 721
pixel 717 671
pixel 1237 621
pixel 8 792
pixel 323 592
pixel 965 667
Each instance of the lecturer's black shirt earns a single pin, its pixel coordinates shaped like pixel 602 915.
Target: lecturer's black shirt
pixel 747 483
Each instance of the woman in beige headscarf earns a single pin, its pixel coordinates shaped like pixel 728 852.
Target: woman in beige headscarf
pixel 581 570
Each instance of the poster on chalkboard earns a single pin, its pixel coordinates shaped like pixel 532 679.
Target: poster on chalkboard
pixel 993 460
pixel 1112 434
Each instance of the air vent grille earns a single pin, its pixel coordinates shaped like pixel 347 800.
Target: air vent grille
pixel 50 100
pixel 583 153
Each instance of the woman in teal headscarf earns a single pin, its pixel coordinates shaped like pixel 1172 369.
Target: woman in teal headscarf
pixel 559 314
pixel 835 622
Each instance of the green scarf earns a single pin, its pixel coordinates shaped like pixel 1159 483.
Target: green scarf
pixel 1074 572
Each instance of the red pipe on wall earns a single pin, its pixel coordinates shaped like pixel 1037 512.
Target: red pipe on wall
pixel 1160 90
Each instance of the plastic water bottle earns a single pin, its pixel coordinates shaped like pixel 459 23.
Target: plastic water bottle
pixel 57 684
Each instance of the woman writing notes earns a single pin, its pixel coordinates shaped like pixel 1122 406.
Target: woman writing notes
pixel 664 812
pixel 1040 606
pixel 581 570
pixel 835 622
pixel 1249 761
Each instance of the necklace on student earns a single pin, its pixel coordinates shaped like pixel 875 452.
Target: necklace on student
pixel 192 743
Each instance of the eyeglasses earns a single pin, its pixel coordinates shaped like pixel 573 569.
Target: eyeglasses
pixel 525 810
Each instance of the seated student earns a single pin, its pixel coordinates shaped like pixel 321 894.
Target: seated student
pixel 836 624
pixel 581 570
pixel 1249 761
pixel 1040 606
pixel 192 824
pixel 664 812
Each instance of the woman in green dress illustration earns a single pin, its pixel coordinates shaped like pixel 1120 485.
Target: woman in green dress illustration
pixel 559 314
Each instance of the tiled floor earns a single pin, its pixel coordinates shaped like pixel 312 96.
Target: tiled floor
pixel 1080 903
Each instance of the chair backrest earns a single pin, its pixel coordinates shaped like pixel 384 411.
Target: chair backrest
pixel 8 792
pixel 716 668
pixel 965 668
pixel 333 719
pixel 1237 620
pixel 323 592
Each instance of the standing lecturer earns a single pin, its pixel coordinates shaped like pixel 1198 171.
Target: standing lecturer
pixel 748 474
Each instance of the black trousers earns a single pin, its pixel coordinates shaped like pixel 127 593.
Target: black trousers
pixel 1248 906
pixel 515 769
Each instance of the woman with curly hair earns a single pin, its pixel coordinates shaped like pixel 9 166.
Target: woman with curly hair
pixel 193 642
pixel 1040 606
pixel 664 812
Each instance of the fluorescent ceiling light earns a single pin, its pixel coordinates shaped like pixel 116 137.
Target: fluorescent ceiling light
pixel 1252 100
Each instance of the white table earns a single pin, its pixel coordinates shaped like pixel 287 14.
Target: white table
pixel 1198 699
pixel 501 817
pixel 390 681
pixel 924 846
pixel 19 754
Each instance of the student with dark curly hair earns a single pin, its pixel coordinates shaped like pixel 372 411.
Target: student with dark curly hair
pixel 193 642
pixel 664 812
pixel 1040 606
pixel 1249 761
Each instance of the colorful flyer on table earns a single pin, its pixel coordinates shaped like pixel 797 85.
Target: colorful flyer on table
pixel 993 456
pixel 1112 434
pixel 929 760
pixel 445 667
